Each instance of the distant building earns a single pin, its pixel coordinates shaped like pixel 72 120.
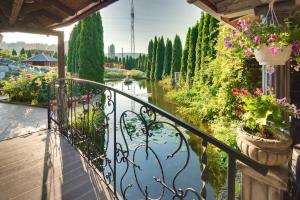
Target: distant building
pixel 111 51
pixel 114 65
pixel 42 60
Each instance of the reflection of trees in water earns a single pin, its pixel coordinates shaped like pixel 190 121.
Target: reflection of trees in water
pixel 217 169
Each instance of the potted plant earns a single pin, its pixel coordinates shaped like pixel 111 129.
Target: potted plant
pixel 270 44
pixel 261 135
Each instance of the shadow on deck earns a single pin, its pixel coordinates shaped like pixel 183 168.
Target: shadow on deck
pixel 43 165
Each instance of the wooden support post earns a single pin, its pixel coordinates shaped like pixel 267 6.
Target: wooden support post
pixel 61 55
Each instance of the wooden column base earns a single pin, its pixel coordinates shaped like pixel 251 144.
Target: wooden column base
pixel 258 187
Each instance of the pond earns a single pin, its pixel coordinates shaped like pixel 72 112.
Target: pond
pixel 164 142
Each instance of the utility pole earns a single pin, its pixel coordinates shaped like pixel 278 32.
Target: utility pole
pixel 132 30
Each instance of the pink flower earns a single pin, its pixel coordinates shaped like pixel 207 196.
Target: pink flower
pixel 257 40
pixel 295 47
pixel 235 91
pixel 248 52
pixel 244 92
pixel 272 38
pixel 274 51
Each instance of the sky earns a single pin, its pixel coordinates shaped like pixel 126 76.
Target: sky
pixel 152 17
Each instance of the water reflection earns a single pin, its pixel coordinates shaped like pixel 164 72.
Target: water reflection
pixel 151 92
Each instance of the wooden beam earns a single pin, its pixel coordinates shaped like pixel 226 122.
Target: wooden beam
pixel 61 55
pixel 26 29
pixel 5 6
pixel 16 8
pixel 37 6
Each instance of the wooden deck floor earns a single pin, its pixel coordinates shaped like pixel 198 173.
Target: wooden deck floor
pixel 45 166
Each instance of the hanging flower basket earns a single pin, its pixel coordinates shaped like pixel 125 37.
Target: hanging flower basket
pixel 273 55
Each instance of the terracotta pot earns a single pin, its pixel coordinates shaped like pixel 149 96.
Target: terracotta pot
pixel 265 151
pixel 264 55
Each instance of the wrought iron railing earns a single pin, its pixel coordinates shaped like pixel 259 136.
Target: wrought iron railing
pixel 141 151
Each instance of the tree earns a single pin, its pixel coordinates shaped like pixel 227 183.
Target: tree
pixel 191 56
pixel 167 58
pixel 150 51
pixel 153 58
pixel 198 50
pixel 70 61
pixel 29 54
pixel 91 52
pixel 55 55
pixel 214 32
pixel 185 53
pixel 14 53
pixel 176 56
pixel 22 52
pixel 159 63
pixel 204 45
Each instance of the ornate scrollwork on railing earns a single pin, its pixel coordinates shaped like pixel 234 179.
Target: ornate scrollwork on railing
pixel 147 125
pixel 128 147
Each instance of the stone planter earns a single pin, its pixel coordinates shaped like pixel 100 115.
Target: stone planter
pixel 264 55
pixel 265 151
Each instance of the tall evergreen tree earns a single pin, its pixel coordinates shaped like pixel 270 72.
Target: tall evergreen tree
pixel 159 63
pixel 185 53
pixel 91 53
pixel 198 49
pixel 167 58
pixel 22 52
pixel 191 56
pixel 150 51
pixel 176 56
pixel 29 54
pixel 204 46
pixel 214 32
pixel 14 53
pixel 152 72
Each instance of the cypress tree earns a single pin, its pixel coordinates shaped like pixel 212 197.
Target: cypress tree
pixel 29 54
pixel 204 46
pixel 14 53
pixel 185 53
pixel 160 50
pixel 91 54
pixel 152 72
pixel 198 49
pixel 72 41
pixel 76 47
pixel 214 32
pixel 167 58
pixel 191 56
pixel 150 51
pixel 176 56
pixel 22 52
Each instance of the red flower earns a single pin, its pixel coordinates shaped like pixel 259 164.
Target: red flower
pixel 28 76
pixel 19 70
pixel 235 91
pixel 244 92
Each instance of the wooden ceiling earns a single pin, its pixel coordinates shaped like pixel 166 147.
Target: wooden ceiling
pixel 230 10
pixel 45 14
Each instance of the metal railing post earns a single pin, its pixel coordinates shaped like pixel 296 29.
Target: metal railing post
pixel 115 145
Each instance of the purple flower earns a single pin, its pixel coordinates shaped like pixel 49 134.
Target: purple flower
pixel 272 38
pixel 257 40
pixel 248 52
pixel 295 47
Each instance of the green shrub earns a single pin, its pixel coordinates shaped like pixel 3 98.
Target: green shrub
pixel 28 88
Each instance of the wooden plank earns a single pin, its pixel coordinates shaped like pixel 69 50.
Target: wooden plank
pixel 46 166
pixel 16 8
